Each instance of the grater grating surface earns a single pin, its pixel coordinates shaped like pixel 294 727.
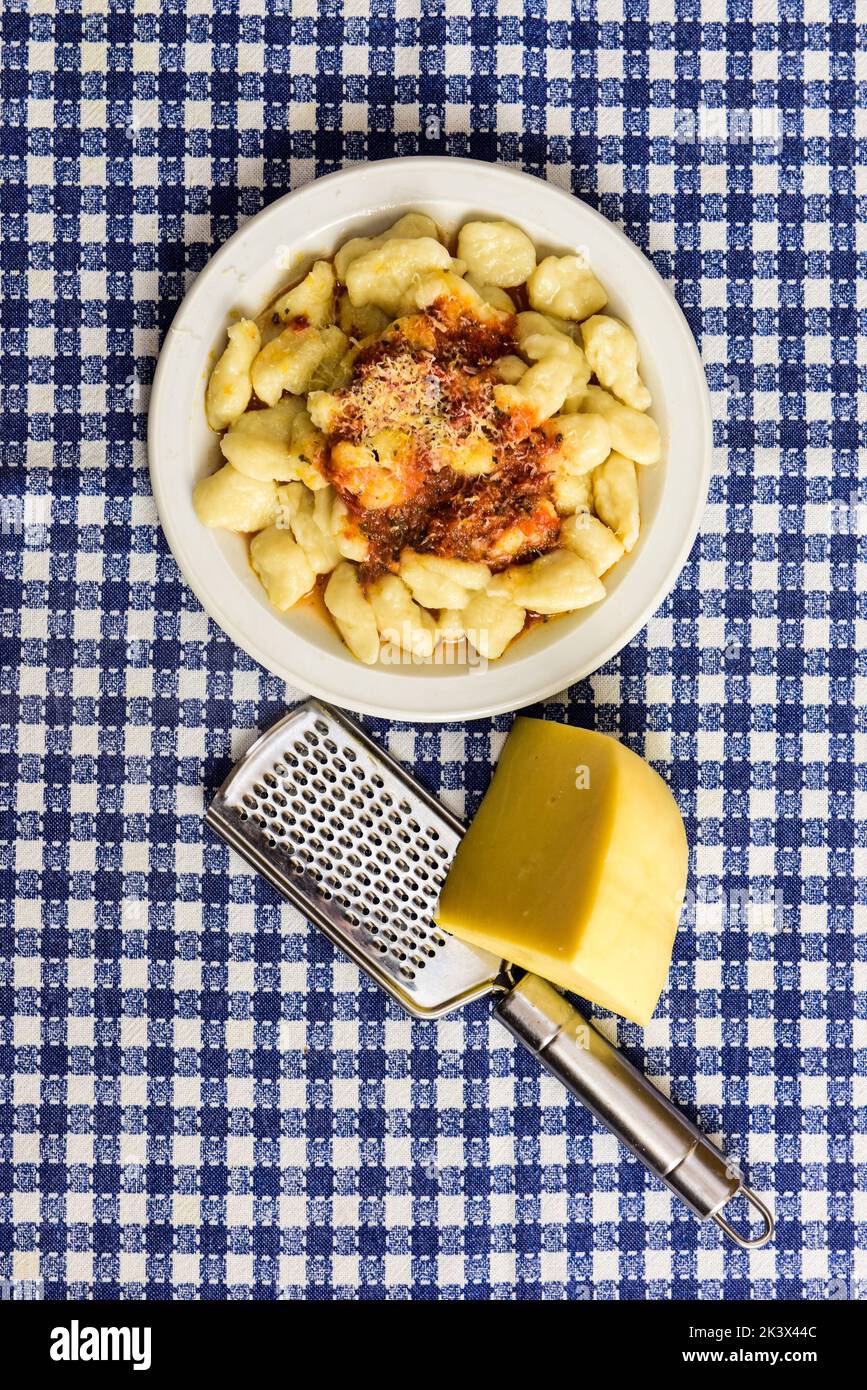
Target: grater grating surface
pixel 341 830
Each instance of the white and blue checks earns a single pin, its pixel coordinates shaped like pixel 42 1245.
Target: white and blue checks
pixel 197 1098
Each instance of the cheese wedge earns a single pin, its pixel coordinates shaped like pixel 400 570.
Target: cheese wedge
pixel 575 867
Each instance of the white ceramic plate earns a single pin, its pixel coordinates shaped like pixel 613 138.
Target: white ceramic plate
pixel 274 248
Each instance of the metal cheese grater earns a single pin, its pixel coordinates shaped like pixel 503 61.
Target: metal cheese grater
pixel 361 849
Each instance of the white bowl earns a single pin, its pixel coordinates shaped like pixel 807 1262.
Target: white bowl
pixel 246 274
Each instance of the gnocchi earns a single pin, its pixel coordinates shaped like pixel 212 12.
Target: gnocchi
pixel 539 393
pixel 399 619
pixel 496 253
pixel 308 516
pixel 615 498
pixel 439 582
pixel 632 433
pixel 233 501
pixel 231 385
pixel 280 443
pixel 492 294
pixel 414 224
pixel 612 352
pixel 445 284
pixel 572 492
pixel 441 462
pixel 590 538
pixel 567 287
pixel 353 614
pixel 558 582
pixel 538 339
pixel 359 321
pixel 312 300
pixel 348 536
pixel 289 361
pixel 282 566
pixel 581 442
pixel 384 275
pixel 489 624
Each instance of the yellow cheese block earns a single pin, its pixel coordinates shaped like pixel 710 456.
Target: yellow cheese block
pixel 574 868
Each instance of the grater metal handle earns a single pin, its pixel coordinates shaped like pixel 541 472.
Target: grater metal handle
pixel 623 1100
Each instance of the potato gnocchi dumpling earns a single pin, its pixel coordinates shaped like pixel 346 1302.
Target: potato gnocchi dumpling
pixel 282 566
pixel 567 287
pixel 308 516
pixel 558 582
pixel 489 624
pixel 233 501
pixel 438 434
pixel 460 294
pixel 539 393
pixel 590 538
pixel 353 614
pixel 580 442
pixel 439 582
pixel 348 535
pixel 384 276
pixel 414 224
pixel 632 433
pixel 492 294
pixel 400 619
pixel 538 339
pixel 231 385
pixel 289 361
pixel 312 299
pixel 279 443
pixel 615 498
pixel 572 492
pixel 496 253
pixel 509 369
pixel 359 321
pixel 612 352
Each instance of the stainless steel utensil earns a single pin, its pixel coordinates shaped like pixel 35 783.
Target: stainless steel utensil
pixel 361 849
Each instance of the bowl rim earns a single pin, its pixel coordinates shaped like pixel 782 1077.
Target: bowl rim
pixel 248 641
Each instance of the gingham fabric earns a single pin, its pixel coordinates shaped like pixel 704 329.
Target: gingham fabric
pixel 198 1099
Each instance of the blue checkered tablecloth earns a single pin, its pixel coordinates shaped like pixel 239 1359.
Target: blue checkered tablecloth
pixel 197 1098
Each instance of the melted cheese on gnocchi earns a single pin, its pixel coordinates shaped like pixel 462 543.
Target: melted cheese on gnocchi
pixel 447 445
